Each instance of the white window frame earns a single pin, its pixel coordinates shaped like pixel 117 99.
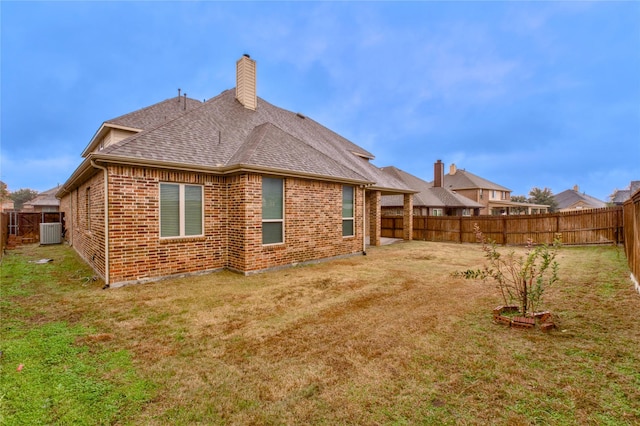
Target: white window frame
pixel 349 218
pixel 437 212
pixel 181 207
pixel 276 220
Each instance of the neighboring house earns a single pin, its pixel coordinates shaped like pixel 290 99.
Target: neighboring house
pixel 235 183
pixel 44 202
pixel 621 195
pixel 495 199
pixel 572 199
pixel 432 200
pixel 6 206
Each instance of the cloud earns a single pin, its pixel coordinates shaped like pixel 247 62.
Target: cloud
pixel 39 173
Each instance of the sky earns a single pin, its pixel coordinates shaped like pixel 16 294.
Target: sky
pixel 524 94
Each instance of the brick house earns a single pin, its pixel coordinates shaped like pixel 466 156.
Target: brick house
pixel 495 199
pixel 185 187
pixel 432 199
pixel 45 202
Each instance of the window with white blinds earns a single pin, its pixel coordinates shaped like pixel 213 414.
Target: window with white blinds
pixel 181 210
pixel 347 211
pixel 272 210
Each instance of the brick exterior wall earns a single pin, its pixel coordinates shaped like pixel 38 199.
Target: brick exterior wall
pixel 474 194
pixel 232 224
pixel 312 224
pixel 407 222
pixel 375 217
pixel 85 230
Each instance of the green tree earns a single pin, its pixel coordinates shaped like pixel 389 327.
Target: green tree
pixel 4 192
pixel 519 199
pixel 543 196
pixel 21 196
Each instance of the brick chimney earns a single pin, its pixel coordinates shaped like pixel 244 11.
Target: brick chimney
pixel 438 174
pixel 452 169
pixel 246 92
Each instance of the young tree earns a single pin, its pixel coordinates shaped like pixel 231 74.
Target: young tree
pixel 521 278
pixel 21 196
pixel 543 196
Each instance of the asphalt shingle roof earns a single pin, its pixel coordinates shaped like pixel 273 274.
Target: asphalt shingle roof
pixel 428 195
pixel 222 133
pixel 571 196
pixel 463 179
pixel 45 198
pixel 156 114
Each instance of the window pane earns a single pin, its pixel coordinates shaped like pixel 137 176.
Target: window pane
pixel 347 228
pixel 347 201
pixel 272 198
pixel 192 210
pixel 271 232
pixel 169 210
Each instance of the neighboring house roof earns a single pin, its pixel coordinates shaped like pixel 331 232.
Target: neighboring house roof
pixel 622 195
pixel 222 136
pixel 572 197
pixel 428 195
pixel 462 179
pixel 45 198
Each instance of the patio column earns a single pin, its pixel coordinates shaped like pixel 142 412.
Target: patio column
pixel 407 222
pixel 375 218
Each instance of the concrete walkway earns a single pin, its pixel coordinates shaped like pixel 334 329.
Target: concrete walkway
pixel 385 241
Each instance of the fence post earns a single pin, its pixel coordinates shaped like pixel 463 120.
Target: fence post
pixel 504 230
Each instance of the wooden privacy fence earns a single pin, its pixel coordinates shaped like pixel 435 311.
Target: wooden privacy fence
pixel 4 232
pixel 597 226
pixel 632 235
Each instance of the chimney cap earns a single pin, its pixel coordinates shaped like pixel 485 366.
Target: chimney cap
pixel 246 54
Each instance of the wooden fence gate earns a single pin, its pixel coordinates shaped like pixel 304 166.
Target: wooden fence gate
pixel 24 227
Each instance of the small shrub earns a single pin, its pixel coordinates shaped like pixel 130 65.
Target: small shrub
pixel 521 279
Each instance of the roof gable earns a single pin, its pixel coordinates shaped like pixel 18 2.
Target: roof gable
pixel 463 179
pixel 571 197
pixel 270 147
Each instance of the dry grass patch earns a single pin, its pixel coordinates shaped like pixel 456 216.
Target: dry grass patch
pixel 387 338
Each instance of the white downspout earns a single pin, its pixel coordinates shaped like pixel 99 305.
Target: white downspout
pixel 106 222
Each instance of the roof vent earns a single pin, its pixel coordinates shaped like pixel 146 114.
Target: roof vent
pixel 301 115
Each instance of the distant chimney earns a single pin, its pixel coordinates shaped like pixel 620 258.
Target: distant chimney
pixel 438 174
pixel 452 169
pixel 576 188
pixel 246 92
